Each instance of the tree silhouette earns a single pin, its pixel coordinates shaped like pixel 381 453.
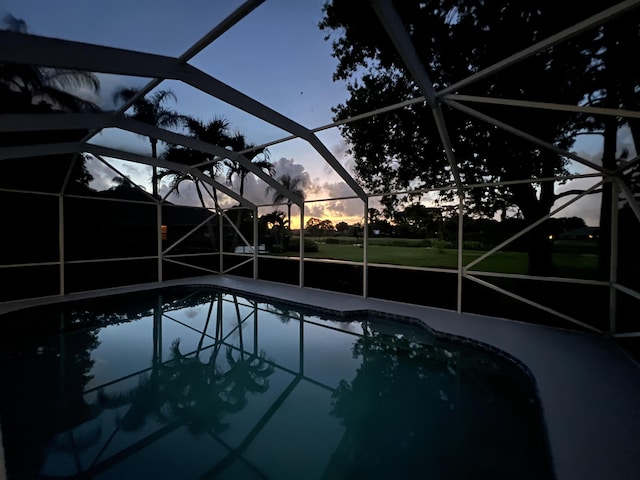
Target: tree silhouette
pixel 275 223
pixel 421 404
pixel 238 143
pixel 152 110
pixel 214 132
pixel 294 185
pixel 191 392
pixel 24 88
pixel 402 149
pixel 44 376
pixel 29 89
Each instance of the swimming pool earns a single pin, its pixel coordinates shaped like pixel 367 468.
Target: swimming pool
pixel 201 383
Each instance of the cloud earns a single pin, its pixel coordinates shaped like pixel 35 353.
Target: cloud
pixel 350 210
pixel 315 210
pixel 591 148
pixel 288 166
pixel 337 190
pixel 188 195
pixel 587 207
pixel 255 189
pixel 109 84
pixel 340 148
pixel 345 209
pixel 103 175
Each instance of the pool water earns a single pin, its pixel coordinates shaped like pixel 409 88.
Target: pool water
pixel 190 383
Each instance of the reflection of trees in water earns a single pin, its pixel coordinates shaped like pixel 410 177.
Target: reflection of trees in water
pixel 49 414
pixel 445 410
pixel 34 410
pixel 284 313
pixel 190 392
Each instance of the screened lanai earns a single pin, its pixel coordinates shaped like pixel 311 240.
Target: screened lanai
pixel 87 204
pixel 191 153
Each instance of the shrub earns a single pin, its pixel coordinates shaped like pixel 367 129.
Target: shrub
pixel 473 245
pixel 309 245
pixel 277 248
pixel 441 245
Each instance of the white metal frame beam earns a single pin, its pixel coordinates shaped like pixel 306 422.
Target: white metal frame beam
pixel 401 40
pixel 242 11
pixel 27 151
pixel 565 34
pixel 70 121
pixel 35 50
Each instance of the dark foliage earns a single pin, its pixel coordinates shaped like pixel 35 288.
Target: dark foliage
pixel 402 149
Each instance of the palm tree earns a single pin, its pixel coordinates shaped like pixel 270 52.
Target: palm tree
pixel 214 132
pixel 275 223
pixel 152 111
pixel 295 186
pixel 31 89
pixel 238 143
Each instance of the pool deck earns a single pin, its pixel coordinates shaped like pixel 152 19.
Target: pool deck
pixel 588 386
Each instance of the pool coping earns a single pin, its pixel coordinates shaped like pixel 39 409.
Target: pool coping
pixel 588 386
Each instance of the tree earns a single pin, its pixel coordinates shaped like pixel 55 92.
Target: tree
pixel 326 227
pixel 402 149
pixel 33 89
pixel 317 227
pixel 152 111
pixel 378 225
pixel 215 132
pixel 42 90
pixel 276 224
pixel 615 87
pixel 416 220
pixel 238 143
pixel 312 226
pixel 342 227
pixel 357 230
pixel 424 377
pixel 294 185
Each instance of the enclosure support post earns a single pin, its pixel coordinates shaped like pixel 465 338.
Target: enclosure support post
pixel 613 268
pixel 301 353
pixel 365 250
pixel 256 240
pixel 460 246
pixel 61 241
pixel 157 332
pixel 301 236
pixel 159 238
pixel 221 243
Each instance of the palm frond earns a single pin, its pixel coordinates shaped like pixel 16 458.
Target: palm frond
pixel 162 96
pixel 14 24
pixel 65 100
pixel 71 79
pixel 125 94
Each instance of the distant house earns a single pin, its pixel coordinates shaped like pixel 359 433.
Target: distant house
pixel 582 233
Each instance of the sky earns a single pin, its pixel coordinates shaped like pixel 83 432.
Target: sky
pixel 277 55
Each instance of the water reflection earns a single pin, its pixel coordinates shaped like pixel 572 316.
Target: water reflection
pixel 423 407
pixel 178 384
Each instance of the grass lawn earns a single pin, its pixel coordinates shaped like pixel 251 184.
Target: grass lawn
pixel 569 265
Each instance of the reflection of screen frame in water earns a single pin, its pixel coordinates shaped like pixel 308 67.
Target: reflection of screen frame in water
pixel 392 334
